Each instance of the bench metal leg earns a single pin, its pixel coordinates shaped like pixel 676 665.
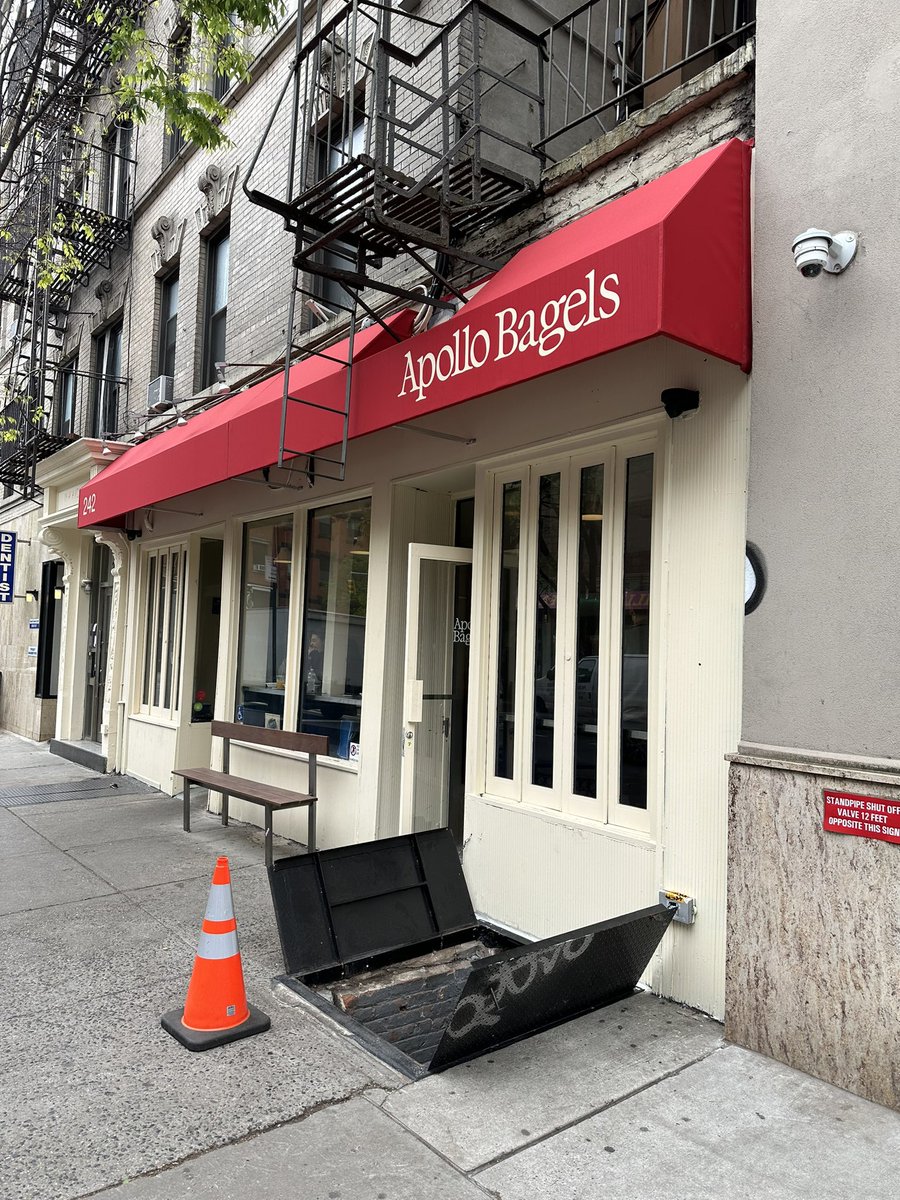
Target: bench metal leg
pixel 269 857
pixel 311 828
pixel 224 808
pixel 186 791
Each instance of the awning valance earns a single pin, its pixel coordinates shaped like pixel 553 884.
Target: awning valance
pixel 671 258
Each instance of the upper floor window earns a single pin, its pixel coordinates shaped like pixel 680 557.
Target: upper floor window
pixel 216 312
pixel 108 381
pixel 117 176
pixel 221 82
pixel 66 397
pixel 341 141
pixel 168 325
pixel 179 64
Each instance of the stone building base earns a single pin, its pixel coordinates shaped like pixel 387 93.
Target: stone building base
pixel 813 953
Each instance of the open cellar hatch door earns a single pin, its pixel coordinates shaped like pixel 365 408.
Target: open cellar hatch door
pixel 382 936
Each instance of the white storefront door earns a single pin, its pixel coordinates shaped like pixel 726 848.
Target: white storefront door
pixel 427 690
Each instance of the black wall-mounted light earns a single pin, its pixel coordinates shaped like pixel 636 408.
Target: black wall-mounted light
pixel 32 596
pixel 677 401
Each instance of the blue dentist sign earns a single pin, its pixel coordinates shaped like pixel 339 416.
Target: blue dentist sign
pixel 7 566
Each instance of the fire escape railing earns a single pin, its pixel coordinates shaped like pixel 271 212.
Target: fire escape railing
pixel 71 216
pixel 73 207
pixel 405 138
pixel 609 58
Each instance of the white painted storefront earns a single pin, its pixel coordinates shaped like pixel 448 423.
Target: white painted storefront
pixel 575 698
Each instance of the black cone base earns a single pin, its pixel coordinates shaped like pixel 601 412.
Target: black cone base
pixel 205 1039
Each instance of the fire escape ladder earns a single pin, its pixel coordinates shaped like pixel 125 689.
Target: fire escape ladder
pixel 406 139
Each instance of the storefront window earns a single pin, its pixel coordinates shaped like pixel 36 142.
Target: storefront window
pixel 507 630
pixel 334 624
pixel 581 536
pixel 265 599
pixel 164 622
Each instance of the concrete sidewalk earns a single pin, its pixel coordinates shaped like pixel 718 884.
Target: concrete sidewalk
pixel 100 907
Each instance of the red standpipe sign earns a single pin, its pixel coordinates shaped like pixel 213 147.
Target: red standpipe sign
pixel 861 816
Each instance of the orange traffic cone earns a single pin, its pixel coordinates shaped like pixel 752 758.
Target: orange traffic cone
pixel 216 1009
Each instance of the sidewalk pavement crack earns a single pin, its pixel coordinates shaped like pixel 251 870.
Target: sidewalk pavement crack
pixel 564 1128
pixel 469 1176
pixel 333 1102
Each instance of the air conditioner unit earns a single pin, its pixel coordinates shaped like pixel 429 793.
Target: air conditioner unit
pixel 160 394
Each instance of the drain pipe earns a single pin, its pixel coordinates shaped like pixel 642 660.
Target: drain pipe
pixel 120 734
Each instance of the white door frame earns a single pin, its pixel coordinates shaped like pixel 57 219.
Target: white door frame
pixel 413 688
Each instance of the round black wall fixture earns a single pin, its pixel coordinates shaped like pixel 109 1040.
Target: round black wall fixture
pixel 754 578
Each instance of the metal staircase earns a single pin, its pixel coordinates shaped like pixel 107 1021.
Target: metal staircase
pixel 405 138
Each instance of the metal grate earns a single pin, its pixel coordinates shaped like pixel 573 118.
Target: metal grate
pixel 75 789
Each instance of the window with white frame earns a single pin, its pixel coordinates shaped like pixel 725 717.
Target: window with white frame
pixel 265 612
pixel 570 651
pixel 164 587
pixel 334 623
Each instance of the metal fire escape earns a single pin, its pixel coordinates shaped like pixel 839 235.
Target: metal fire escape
pixel 69 205
pixel 405 139
pixel 397 140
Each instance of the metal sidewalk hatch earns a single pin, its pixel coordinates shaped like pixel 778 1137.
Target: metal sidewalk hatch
pixel 383 938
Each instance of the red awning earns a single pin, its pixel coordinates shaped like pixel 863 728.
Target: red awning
pixel 232 438
pixel 671 258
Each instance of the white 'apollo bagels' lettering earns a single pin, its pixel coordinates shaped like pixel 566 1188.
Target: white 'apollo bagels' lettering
pixel 544 330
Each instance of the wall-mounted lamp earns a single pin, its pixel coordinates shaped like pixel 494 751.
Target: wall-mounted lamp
pixel 32 596
pixel 678 401
pixel 59 591
pixel 87 586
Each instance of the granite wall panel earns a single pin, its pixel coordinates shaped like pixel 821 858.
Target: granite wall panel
pixel 813 940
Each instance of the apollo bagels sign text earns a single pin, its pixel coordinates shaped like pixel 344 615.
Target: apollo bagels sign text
pixel 513 332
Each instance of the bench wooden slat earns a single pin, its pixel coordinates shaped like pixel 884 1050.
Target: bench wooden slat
pixel 245 789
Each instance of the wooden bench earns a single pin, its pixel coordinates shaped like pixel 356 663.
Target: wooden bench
pixel 271 798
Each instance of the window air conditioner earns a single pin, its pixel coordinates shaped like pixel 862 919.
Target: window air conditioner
pixel 160 394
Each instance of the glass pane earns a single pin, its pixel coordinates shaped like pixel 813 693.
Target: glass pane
pixel 264 621
pixel 334 624
pixel 174 623
pixel 636 632
pixel 206 655
pixel 148 631
pixel 219 285
pixel 587 633
pixel 435 660
pixel 159 630
pixel 217 341
pixel 545 631
pixel 179 627
pixel 507 629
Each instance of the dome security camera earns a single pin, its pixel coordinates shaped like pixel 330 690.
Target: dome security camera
pixel 817 250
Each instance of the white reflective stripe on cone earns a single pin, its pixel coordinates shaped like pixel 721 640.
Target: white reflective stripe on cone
pixel 217 945
pixel 219 906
